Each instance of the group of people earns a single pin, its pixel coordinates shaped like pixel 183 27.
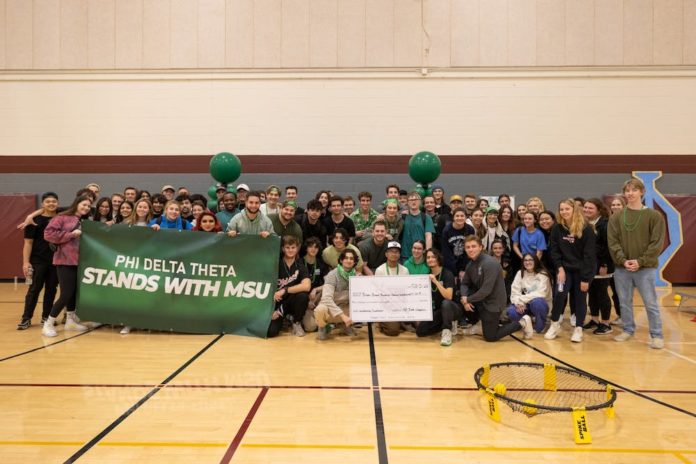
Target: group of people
pixel 494 269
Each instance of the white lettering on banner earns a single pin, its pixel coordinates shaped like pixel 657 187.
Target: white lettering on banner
pixel 213 270
pixel 162 265
pixel 129 262
pixel 247 289
pixel 175 285
pixel 196 287
pixel 390 298
pixel 129 280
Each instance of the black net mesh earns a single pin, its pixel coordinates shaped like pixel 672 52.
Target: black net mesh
pixel 534 388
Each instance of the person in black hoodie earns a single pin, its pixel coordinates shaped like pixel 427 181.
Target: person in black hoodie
pixel 572 248
pixel 452 241
pixel 599 302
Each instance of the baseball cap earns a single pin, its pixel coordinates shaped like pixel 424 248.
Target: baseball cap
pixel 243 187
pixel 456 198
pixel 491 210
pixel 393 244
pixel 437 187
pixel 220 186
pixel 168 187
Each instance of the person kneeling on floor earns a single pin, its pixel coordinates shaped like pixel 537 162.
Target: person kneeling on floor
pixel 483 291
pixel 446 312
pixel 292 296
pixel 334 305
pixel 531 292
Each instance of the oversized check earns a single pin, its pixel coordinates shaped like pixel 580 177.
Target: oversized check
pixel 390 298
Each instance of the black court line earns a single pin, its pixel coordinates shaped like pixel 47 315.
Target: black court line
pixel 307 387
pixel 50 344
pixel 621 387
pixel 379 418
pixel 142 401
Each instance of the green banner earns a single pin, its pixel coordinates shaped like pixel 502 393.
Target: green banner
pixel 193 282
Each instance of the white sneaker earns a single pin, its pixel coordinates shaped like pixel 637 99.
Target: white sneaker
pixel 553 330
pixel 72 323
pixel 526 323
pixel 577 335
pixel 623 336
pixel 297 329
pixel 617 322
pixel 475 329
pixel 572 320
pixel 657 343
pixel 446 338
pixel 125 330
pixel 48 330
pixel 455 328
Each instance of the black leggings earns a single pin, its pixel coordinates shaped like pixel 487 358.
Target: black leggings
pixel 599 300
pixel 442 319
pixel 67 279
pixel 615 297
pixel 571 290
pixel 45 277
pixel 295 305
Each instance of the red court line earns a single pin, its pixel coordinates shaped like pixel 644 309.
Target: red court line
pixel 244 427
pixel 308 387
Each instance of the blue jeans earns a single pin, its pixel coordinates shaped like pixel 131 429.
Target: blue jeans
pixel 644 281
pixel 537 309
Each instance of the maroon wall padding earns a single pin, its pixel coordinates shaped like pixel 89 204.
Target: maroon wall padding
pixel 682 268
pixel 13 209
pixel 357 164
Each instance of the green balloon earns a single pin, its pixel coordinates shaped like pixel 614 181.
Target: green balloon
pixel 212 205
pixel 212 192
pixel 424 167
pixel 225 167
pixel 423 190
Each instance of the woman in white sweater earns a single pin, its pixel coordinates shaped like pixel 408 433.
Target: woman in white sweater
pixel 531 293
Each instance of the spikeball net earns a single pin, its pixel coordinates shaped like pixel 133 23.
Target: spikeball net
pixel 535 388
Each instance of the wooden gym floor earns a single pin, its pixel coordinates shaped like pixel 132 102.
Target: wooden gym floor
pixel 101 397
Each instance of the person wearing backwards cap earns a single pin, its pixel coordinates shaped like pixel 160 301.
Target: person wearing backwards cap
pixel 168 192
pixel 284 222
pixel 391 268
pixel 439 195
pixel 242 191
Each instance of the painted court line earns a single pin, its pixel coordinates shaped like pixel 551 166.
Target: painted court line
pixel 679 355
pixel 306 446
pixel 679 454
pixel 137 405
pixel 625 389
pixel 50 344
pixel 234 445
pixel 304 387
pixel 379 418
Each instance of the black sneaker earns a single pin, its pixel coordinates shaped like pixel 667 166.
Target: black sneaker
pixel 603 329
pixel 591 325
pixel 24 325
